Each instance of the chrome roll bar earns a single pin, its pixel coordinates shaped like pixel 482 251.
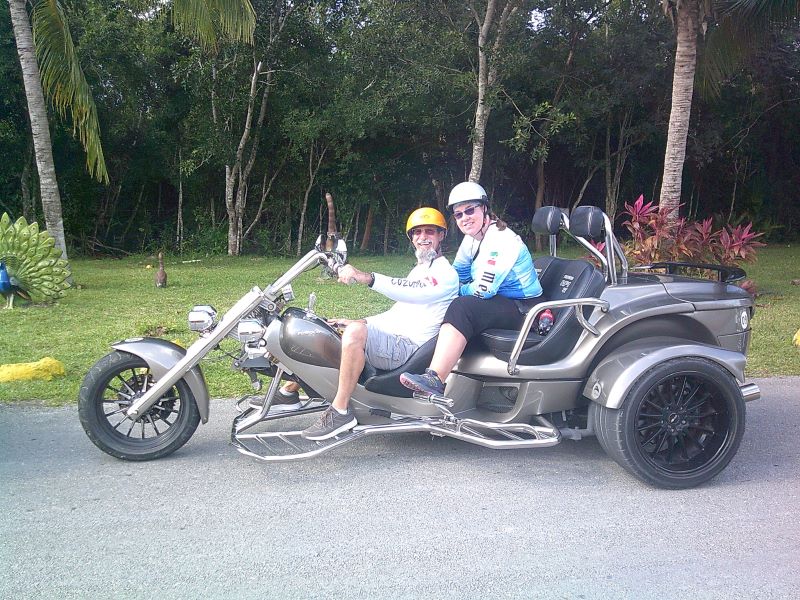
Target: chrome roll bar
pixel 531 315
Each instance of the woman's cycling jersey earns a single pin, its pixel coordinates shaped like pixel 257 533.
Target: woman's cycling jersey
pixel 500 263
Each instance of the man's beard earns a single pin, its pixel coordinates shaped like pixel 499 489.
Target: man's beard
pixel 426 254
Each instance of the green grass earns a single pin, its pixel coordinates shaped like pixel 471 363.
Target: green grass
pixel 116 299
pixel 777 316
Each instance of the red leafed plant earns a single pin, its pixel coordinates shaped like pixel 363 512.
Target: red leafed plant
pixel 655 239
pixel 738 244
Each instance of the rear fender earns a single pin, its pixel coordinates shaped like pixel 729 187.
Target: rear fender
pixel 610 381
pixel 161 355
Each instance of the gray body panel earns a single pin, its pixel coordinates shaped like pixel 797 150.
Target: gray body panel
pixel 161 355
pixel 638 308
pixel 609 382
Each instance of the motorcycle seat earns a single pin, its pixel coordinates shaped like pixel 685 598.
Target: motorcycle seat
pixel 561 279
pixel 388 382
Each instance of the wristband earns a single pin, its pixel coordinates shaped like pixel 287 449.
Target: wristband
pixel 372 280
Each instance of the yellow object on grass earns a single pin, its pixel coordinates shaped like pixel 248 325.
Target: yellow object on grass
pixel 796 340
pixel 46 369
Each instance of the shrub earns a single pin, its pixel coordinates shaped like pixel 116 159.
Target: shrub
pixel 655 239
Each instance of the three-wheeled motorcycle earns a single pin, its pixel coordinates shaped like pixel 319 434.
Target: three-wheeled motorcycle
pixel 649 360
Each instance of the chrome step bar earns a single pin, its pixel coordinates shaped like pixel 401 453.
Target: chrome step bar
pixel 285 446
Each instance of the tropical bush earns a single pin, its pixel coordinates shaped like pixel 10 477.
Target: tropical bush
pixel 656 239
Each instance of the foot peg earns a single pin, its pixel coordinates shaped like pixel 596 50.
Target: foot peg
pixel 435 399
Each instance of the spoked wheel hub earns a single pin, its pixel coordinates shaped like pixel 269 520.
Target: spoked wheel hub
pixel 682 422
pixel 128 387
pixel 109 390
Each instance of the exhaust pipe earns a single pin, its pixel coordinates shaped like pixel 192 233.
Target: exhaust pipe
pixel 750 392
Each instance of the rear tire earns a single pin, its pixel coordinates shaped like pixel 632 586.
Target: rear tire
pixel 107 391
pixel 680 424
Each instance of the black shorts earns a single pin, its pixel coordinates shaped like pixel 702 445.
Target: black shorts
pixel 472 315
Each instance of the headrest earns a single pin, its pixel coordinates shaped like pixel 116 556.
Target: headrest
pixel 587 222
pixel 546 220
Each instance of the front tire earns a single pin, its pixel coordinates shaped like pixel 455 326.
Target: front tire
pixel 680 424
pixel 107 391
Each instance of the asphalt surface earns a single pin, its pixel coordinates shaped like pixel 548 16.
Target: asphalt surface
pixel 406 516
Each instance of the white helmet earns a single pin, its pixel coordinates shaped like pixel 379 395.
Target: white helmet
pixel 466 192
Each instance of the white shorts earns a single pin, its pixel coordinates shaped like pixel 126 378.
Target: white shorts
pixel 387 351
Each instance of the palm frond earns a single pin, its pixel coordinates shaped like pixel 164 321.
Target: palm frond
pixel 742 28
pixel 723 54
pixel 777 11
pixel 64 81
pixel 204 20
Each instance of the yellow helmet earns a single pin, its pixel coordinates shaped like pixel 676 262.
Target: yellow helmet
pixel 425 216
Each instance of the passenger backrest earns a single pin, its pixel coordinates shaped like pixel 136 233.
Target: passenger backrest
pixel 587 222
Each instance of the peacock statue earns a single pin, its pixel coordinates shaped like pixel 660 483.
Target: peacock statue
pixel 31 266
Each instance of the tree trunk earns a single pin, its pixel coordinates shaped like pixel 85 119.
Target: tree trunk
pixel 357 219
pixel 367 229
pixel 28 198
pixel 179 220
pixel 539 202
pixel 40 128
pixel 133 216
pixel 682 88
pixel 488 61
pixel 313 169
pixel 438 192
pixel 386 230
pixel 236 175
pixel 482 113
pixel 231 174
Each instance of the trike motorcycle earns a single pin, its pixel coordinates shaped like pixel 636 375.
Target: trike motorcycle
pixel 648 360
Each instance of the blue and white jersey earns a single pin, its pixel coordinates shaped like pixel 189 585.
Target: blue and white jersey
pixel 500 263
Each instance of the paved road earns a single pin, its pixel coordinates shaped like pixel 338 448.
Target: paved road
pixel 392 517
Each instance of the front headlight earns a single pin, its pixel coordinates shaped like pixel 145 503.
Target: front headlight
pixel 250 330
pixel 202 318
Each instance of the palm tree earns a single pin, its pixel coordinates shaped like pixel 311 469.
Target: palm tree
pixel 740 21
pixel 50 65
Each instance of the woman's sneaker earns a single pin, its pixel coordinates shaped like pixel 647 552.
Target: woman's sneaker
pixel 283 402
pixel 428 382
pixel 331 423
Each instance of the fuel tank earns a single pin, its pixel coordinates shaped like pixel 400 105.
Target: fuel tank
pixel 307 338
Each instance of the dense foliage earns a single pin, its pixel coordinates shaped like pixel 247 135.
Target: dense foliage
pixel 374 101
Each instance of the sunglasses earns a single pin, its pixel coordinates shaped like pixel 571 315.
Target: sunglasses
pixel 457 214
pixel 429 231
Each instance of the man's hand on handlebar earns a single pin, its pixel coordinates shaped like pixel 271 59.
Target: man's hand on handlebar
pixel 349 274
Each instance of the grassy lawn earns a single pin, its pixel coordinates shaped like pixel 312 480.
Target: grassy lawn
pixel 116 299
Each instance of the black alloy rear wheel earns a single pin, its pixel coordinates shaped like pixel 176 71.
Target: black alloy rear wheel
pixel 109 389
pixel 680 425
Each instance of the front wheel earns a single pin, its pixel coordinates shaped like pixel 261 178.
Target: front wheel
pixel 680 425
pixel 108 390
